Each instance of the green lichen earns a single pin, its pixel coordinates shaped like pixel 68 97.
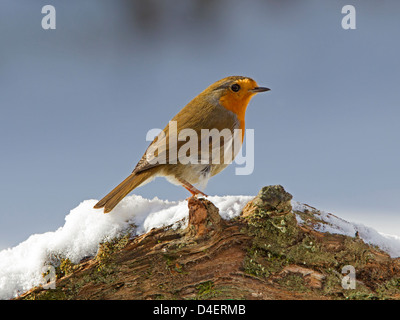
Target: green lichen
pixel 49 294
pixel 108 248
pixel 389 288
pixel 206 290
pixel 61 264
pixel 272 238
pixel 295 282
pixel 67 267
pixel 278 241
pixel 360 295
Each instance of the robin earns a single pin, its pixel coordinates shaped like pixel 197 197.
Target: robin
pixel 222 106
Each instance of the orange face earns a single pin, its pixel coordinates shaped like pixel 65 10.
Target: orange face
pixel 237 96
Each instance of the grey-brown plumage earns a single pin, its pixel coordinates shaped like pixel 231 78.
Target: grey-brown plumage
pixel 218 107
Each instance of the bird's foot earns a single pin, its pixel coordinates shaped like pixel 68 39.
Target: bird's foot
pixel 195 195
pixel 195 192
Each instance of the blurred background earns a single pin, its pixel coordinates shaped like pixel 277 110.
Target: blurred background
pixel 76 102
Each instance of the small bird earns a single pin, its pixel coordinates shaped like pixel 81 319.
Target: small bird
pixel 221 106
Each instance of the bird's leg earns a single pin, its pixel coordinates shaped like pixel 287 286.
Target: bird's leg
pixel 190 188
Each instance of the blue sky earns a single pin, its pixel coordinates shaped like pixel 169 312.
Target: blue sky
pixel 76 102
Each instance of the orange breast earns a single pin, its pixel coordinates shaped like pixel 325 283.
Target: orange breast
pixel 237 106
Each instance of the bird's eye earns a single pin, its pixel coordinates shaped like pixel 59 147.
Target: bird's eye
pixel 235 87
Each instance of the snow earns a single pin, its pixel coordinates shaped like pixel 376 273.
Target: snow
pixel 333 224
pixel 21 267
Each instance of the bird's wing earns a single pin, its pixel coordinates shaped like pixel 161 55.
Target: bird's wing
pixel 155 152
pixel 165 149
pixel 182 139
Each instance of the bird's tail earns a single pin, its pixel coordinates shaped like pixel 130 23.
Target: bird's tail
pixel 120 191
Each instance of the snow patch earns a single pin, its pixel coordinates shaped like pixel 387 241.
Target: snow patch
pixel 21 267
pixel 333 224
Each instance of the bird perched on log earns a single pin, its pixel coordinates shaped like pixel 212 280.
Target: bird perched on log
pixel 218 109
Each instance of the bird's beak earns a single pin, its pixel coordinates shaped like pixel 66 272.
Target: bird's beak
pixel 259 89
